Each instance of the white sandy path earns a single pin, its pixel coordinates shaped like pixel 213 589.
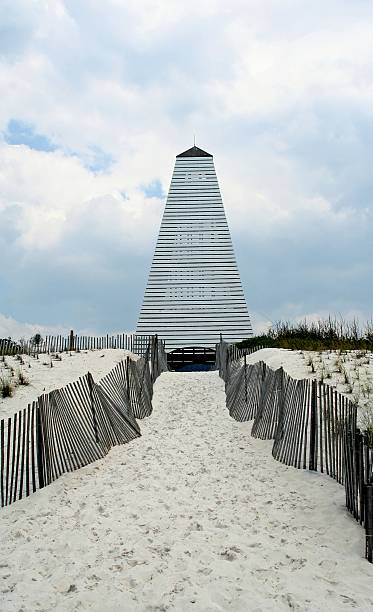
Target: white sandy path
pixel 195 515
pixel 43 378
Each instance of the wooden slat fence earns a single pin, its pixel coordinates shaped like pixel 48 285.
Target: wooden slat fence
pixel 312 426
pixel 74 342
pixel 18 455
pixel 71 427
pixel 269 402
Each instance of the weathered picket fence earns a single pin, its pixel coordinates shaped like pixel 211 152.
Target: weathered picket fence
pixel 312 425
pixel 73 342
pixel 71 427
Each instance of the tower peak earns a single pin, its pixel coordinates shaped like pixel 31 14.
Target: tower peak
pixel 194 152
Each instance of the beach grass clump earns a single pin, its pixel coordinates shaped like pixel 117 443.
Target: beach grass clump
pixel 366 421
pixel 6 387
pixel 22 378
pixel 331 334
pixel 346 378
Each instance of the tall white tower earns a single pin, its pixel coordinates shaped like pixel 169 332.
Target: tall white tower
pixel 194 290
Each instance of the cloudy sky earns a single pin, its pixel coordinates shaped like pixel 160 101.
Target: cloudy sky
pixel 98 97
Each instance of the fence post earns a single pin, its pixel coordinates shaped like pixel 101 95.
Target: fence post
pixel 71 340
pixel 40 451
pixel 128 383
pixel 226 365
pixel 279 431
pixel 369 522
pixel 156 357
pixel 313 425
pixel 94 416
pixel 245 364
pixel 360 474
pixel 355 474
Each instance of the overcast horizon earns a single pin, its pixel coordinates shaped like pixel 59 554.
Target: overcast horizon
pixel 98 99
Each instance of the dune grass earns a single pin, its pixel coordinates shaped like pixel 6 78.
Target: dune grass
pixel 6 386
pixel 321 335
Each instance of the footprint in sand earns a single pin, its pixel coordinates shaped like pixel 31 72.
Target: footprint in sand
pixel 231 553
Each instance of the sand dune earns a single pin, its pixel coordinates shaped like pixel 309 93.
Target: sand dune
pixel 44 378
pixel 350 373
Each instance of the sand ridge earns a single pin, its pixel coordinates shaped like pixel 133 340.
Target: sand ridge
pixel 66 368
pixel 349 372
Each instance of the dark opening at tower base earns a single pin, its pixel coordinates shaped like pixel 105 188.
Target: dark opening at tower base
pixel 191 359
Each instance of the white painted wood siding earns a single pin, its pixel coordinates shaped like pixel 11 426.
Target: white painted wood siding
pixel 194 290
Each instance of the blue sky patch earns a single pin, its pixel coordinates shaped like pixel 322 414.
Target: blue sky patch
pixel 98 160
pixel 19 132
pixel 153 189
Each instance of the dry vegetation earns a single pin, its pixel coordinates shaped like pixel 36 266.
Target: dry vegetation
pixel 336 351
pixel 11 377
pixel 321 335
pixel 350 372
pixel 13 371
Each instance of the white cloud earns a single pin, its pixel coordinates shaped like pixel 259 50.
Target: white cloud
pixel 10 328
pixel 54 194
pixel 276 76
pixel 260 323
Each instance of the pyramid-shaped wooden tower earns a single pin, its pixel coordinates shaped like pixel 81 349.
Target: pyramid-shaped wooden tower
pixel 194 290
